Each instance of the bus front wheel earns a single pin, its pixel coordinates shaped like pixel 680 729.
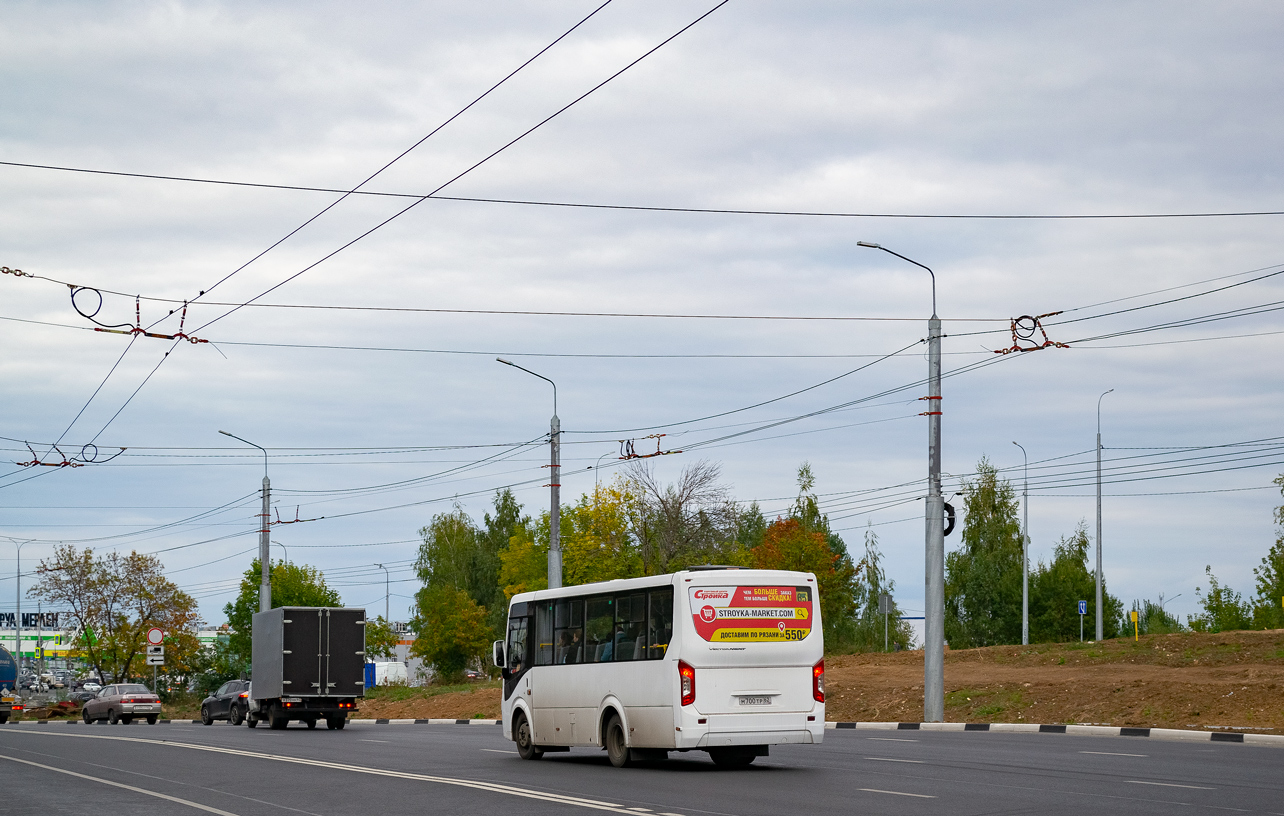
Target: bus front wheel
pixel 526 747
pixel 617 747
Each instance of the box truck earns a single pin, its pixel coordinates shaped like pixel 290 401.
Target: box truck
pixel 308 664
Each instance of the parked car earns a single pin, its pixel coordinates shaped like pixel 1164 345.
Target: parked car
pixel 90 685
pixel 122 702
pixel 473 674
pixel 82 696
pixel 230 702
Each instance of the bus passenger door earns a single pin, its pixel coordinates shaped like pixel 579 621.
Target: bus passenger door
pixel 540 690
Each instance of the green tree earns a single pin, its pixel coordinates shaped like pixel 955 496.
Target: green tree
pixel 452 631
pixel 1152 619
pixel 597 546
pixel 983 577
pixel 1268 604
pixel 1056 589
pixel 114 599
pixel 452 554
pixel 292 585
pixel 751 526
pixel 217 664
pixel 381 640
pixel 869 626
pixel 1224 608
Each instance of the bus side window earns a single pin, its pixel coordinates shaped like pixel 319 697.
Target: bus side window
pixel 544 634
pixel 630 626
pixel 660 622
pixel 516 644
pixel 568 631
pixel 599 620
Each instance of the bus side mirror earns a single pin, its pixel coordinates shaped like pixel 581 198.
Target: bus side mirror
pixel 497 654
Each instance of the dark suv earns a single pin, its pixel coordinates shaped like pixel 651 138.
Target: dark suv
pixel 230 703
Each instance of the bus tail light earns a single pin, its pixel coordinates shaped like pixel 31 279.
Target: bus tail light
pixel 688 682
pixel 818 681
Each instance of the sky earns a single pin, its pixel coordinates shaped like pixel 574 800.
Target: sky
pixel 379 412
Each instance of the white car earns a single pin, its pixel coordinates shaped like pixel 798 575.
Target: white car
pixel 92 686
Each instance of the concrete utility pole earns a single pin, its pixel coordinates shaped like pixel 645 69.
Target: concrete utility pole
pixel 265 543
pixel 1025 552
pixel 555 498
pixel 1100 634
pixel 934 579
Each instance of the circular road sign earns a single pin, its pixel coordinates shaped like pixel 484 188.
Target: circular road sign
pixel 155 636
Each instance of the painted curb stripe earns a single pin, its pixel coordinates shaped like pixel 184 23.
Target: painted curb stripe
pixel 1018 728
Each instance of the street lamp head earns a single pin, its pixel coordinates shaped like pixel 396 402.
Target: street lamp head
pixel 505 362
pixel 868 245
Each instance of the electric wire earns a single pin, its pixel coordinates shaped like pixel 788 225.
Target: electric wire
pixel 658 209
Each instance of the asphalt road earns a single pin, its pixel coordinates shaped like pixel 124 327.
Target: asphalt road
pixel 392 770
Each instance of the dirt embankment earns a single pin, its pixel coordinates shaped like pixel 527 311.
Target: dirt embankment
pixel 1228 680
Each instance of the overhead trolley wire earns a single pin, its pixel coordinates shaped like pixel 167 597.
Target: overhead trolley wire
pixel 657 208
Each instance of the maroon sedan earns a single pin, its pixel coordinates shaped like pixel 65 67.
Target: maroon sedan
pixel 122 702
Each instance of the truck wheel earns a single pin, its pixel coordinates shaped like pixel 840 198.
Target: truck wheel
pixel 617 748
pixel 526 747
pixel 277 719
pixel 112 719
pixel 336 723
pixel 236 717
pixel 206 719
pixel 311 722
pixel 252 720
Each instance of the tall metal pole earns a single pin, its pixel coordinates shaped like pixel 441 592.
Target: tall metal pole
pixel 17 617
pixel 1100 633
pixel 1025 551
pixel 265 543
pixel 555 494
pixel 934 545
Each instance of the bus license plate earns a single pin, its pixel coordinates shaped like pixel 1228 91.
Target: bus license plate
pixel 755 701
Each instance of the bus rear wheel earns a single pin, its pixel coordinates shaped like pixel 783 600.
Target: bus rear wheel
pixel 526 747
pixel 617 747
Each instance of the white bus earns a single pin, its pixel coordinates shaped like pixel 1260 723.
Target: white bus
pixel 713 659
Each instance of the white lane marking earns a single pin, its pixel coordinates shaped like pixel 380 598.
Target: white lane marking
pixel 889 759
pixel 385 742
pixel 1111 753
pixel 143 791
pixel 496 751
pixel 899 793
pixel 510 790
pixel 1168 785
pixel 890 739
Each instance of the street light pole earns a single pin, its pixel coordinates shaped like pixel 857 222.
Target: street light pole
pixel 283 550
pixel 1100 635
pixel 555 498
pixel 387 583
pixel 597 465
pixel 265 553
pixel 934 579
pixel 17 616
pixel 1025 551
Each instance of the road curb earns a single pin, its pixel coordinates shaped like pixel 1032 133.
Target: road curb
pixel 1172 734
pixel 1069 730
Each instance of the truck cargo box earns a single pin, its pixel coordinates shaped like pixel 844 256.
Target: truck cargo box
pixel 307 651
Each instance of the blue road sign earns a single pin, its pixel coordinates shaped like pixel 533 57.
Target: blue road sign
pixel 1083 607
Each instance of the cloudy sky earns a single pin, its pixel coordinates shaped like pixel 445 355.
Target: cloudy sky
pixel 377 418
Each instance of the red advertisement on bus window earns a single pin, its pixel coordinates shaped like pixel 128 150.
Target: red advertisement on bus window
pixel 747 614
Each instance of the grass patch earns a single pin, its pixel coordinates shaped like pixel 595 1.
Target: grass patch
pixel 398 694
